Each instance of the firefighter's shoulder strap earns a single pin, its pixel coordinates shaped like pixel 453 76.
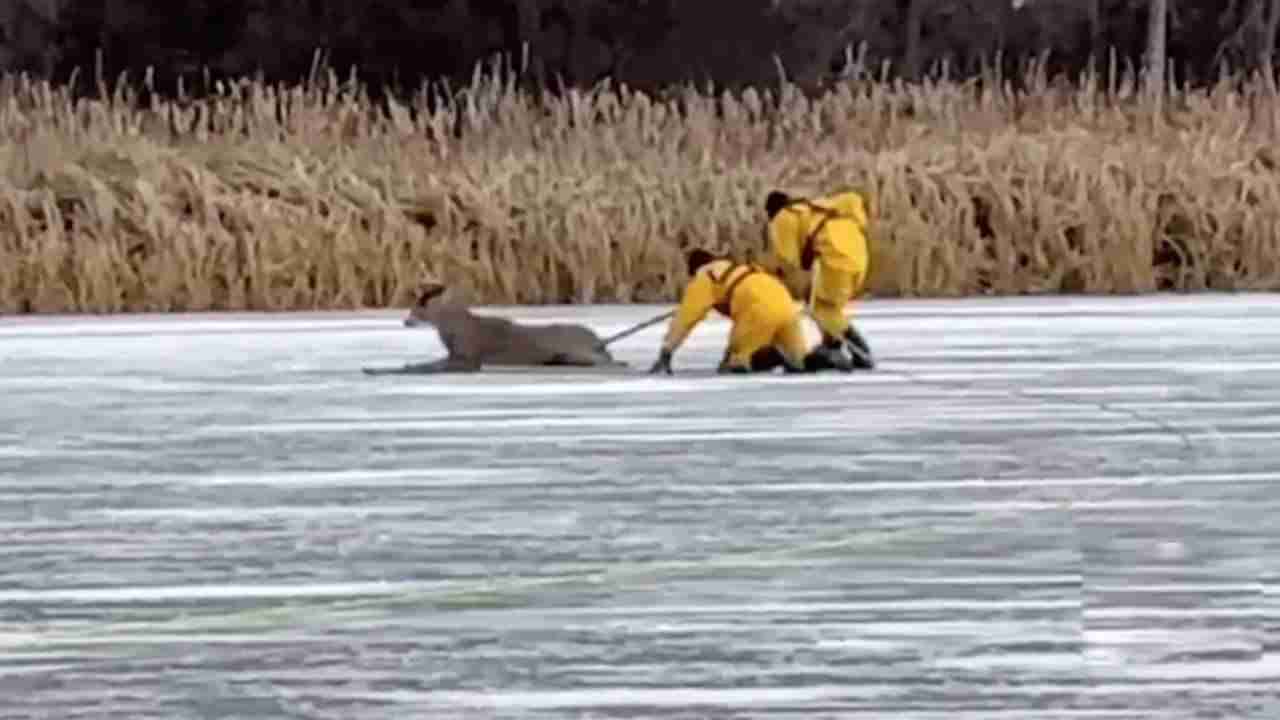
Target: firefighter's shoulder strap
pixel 743 271
pixel 807 250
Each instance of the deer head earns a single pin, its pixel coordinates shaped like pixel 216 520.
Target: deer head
pixel 425 309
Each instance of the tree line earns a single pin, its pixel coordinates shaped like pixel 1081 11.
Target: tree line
pixel 644 43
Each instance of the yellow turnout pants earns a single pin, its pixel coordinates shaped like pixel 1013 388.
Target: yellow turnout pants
pixel 831 293
pixel 771 318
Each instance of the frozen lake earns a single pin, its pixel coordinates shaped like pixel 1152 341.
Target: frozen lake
pixel 1033 509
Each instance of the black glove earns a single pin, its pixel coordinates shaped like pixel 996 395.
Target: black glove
pixel 663 363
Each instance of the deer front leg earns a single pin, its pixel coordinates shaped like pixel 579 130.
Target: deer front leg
pixel 451 364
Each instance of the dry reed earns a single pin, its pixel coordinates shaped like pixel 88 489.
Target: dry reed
pixel 267 197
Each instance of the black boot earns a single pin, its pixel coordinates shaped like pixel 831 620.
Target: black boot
pixel 726 368
pixel 827 356
pixel 859 350
pixel 767 360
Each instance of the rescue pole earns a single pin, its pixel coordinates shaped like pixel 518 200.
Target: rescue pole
pixel 637 328
pixel 814 274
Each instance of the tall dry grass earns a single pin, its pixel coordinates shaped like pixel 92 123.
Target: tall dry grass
pixel 314 196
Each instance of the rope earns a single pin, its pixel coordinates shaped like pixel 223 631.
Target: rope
pixel 1160 424
pixel 636 328
pixel 1156 422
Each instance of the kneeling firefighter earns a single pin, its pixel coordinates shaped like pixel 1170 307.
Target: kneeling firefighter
pixel 825 236
pixel 767 329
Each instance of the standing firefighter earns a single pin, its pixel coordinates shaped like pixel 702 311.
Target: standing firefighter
pixel 825 236
pixel 767 331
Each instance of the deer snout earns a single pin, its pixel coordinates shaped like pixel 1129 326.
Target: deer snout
pixel 410 321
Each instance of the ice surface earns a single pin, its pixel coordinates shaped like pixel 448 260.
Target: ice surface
pixel 1035 508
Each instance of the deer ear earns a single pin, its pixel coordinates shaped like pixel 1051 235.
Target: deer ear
pixel 430 292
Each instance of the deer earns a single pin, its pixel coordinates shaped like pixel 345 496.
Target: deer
pixel 474 341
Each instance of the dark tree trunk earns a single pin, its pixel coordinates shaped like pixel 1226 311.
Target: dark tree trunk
pixel 1097 34
pixel 914 29
pixel 1157 31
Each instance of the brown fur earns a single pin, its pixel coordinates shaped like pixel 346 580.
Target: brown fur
pixel 474 341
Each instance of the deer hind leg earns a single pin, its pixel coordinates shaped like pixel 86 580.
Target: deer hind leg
pixel 582 357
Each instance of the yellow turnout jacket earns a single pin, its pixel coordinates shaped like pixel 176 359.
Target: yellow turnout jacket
pixel 728 288
pixel 830 228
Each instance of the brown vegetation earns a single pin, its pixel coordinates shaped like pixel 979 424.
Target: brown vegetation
pixel 308 197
